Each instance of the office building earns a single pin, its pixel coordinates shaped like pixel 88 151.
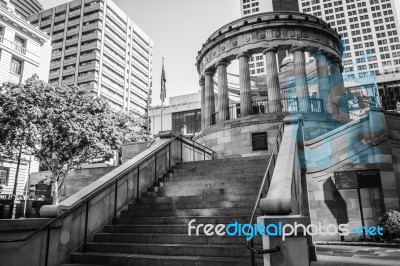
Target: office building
pixel 24 8
pixel 97 46
pixel 24 49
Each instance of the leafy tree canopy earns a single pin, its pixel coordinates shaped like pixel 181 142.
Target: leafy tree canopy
pixel 63 126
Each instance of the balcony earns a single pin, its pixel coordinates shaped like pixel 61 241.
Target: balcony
pixel 98 6
pixel 59 27
pixel 88 57
pixel 55 64
pixel 69 71
pixel 46 22
pixel 71 51
pixel 92 26
pixel 73 31
pixel 87 67
pixel 91 36
pixel 58 36
pixel 56 55
pixel 18 48
pixel 54 74
pixel 73 22
pixel 74 13
pixel 72 41
pixel 69 61
pixel 116 20
pixel 88 77
pixel 59 18
pixel 57 45
pixel 90 46
pixel 1 39
pixel 89 86
pixel 68 81
pixel 97 15
pixel 53 83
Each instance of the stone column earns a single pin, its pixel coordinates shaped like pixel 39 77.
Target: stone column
pixel 339 96
pixel 223 97
pixel 209 97
pixel 274 93
pixel 246 108
pixel 203 101
pixel 324 87
pixel 300 79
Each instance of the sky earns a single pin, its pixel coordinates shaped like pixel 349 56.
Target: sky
pixel 178 29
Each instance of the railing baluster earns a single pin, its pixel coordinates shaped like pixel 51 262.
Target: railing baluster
pixel 137 185
pixel 155 167
pixel 204 152
pixel 169 156
pixel 115 199
pixel 46 262
pixel 86 226
pixel 181 151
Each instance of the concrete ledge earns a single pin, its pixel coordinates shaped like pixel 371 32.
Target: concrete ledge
pixel 366 244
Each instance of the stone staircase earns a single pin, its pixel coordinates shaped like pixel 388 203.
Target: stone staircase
pixel 155 230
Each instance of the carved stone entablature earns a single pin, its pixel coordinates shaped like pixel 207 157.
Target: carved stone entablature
pixel 255 33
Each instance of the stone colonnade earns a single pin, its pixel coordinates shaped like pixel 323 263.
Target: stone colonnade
pixel 330 85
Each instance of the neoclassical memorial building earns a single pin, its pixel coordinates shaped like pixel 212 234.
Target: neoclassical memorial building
pixel 269 33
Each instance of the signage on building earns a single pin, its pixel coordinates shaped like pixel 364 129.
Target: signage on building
pixel 259 141
pixel 358 179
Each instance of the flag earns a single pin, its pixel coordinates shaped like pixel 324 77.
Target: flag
pixel 163 81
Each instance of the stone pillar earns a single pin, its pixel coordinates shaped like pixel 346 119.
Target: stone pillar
pixel 223 97
pixel 338 93
pixel 300 79
pixel 274 93
pixel 209 97
pixel 324 87
pixel 203 101
pixel 246 107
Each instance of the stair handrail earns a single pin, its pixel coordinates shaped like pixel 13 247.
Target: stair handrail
pixel 272 160
pixel 106 185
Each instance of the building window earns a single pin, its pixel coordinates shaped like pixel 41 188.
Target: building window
pixel 190 119
pixel 16 67
pixel 4 175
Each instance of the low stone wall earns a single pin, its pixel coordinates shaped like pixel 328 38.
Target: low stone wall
pixel 233 138
pixel 363 144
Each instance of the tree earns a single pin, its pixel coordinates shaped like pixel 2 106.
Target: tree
pixel 63 126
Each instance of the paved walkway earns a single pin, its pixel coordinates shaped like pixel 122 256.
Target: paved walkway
pixel 330 255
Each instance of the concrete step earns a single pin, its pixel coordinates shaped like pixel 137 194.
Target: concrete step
pixel 233 166
pixel 229 160
pixel 236 251
pixel 157 260
pixel 191 205
pixel 221 177
pixel 215 182
pixel 172 239
pixel 193 191
pixel 147 228
pixel 198 198
pixel 187 212
pixel 183 220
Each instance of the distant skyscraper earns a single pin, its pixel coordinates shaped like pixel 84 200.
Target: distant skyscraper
pixel 24 8
pixel 249 7
pixel 370 32
pixel 97 46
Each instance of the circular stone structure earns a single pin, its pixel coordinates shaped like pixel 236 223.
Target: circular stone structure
pixel 268 33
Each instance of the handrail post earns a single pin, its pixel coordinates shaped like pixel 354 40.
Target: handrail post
pixel 169 156
pixel 181 151
pixel 194 154
pixel 47 246
pixel 86 226
pixel 155 167
pixel 115 199
pixel 204 152
pixel 137 185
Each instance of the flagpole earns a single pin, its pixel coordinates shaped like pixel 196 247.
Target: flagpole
pixel 162 93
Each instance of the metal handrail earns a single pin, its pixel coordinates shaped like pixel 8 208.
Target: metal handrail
pixel 102 188
pixel 249 243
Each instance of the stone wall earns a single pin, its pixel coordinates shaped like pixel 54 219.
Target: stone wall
pixel 370 143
